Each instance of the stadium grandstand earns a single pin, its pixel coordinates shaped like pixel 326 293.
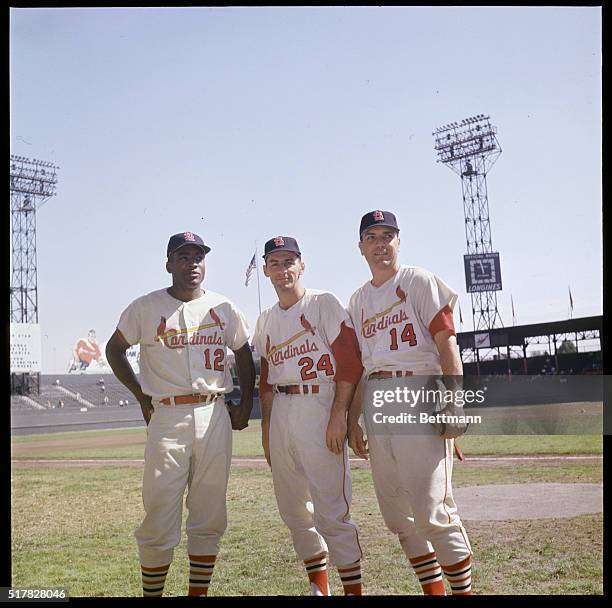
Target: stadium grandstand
pixel 572 346
pixel 74 392
pixel 504 350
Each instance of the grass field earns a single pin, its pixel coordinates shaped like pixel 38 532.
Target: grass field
pixel 73 526
pixel 584 418
pixel 129 443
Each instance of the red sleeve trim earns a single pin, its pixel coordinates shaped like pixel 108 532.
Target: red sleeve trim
pixel 443 320
pixel 264 387
pixel 345 349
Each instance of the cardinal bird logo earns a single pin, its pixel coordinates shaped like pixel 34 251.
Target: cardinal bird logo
pixel 401 294
pixel 306 325
pixel 267 344
pixel 161 328
pixel 215 318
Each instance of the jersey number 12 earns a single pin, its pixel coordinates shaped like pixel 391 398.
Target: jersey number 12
pixel 217 363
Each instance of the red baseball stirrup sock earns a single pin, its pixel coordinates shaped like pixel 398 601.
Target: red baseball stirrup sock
pixel 351 578
pixel 153 580
pixel 429 573
pixel 316 568
pixel 459 576
pixel 200 573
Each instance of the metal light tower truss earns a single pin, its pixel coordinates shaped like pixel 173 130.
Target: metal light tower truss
pixel 32 183
pixel 470 148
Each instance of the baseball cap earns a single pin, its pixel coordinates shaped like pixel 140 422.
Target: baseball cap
pixel 377 218
pixel 185 238
pixel 281 243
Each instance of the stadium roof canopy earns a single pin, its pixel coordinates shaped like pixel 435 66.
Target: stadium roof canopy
pixel 584 328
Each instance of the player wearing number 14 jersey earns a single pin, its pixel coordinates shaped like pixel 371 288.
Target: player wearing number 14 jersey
pixel 309 369
pixel 404 323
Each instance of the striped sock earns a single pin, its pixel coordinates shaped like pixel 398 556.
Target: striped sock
pixel 429 573
pixel 459 576
pixel 316 568
pixel 200 573
pixel 153 580
pixel 351 578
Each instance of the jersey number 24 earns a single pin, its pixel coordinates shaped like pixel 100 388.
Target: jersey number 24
pixel 324 364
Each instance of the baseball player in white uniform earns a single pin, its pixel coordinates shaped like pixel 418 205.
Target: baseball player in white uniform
pixel 404 324
pixel 184 332
pixel 309 369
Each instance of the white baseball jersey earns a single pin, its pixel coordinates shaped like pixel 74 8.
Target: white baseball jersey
pixel 395 322
pixel 183 344
pixel 311 342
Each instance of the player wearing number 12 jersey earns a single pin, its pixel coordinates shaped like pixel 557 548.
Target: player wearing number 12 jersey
pixel 184 332
pixel 309 369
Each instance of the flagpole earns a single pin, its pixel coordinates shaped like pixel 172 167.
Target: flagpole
pixel 257 266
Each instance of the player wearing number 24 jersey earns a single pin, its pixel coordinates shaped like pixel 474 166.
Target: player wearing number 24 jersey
pixel 306 355
pixel 309 369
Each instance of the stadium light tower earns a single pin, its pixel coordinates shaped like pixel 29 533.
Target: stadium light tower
pixel 470 148
pixel 32 183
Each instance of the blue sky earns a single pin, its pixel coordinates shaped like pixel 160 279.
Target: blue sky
pixel 244 123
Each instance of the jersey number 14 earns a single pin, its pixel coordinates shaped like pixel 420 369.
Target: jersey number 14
pixel 407 335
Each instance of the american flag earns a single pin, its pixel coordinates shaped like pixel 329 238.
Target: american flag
pixel 249 271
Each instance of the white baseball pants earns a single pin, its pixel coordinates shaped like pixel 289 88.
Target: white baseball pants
pixel 412 479
pixel 188 446
pixel 312 485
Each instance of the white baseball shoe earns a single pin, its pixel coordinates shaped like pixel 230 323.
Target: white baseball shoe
pixel 314 590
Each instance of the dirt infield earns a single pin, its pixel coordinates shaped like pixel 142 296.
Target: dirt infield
pixel 498 502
